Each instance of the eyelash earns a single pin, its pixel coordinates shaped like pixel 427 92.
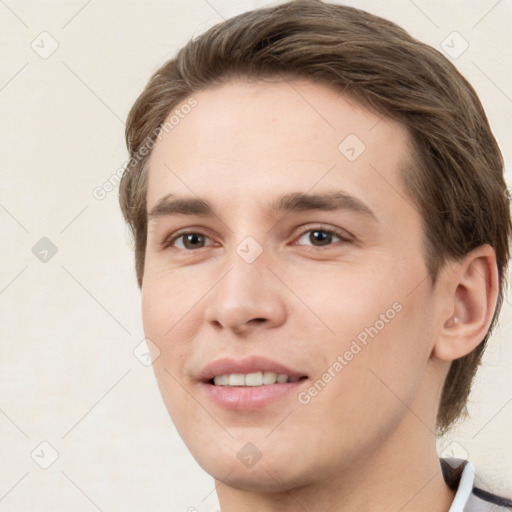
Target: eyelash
pixel 342 235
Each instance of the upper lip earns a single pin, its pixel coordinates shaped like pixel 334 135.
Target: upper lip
pixel 226 366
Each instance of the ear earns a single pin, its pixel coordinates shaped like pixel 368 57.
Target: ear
pixel 472 287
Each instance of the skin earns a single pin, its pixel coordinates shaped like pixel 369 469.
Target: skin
pixel 367 440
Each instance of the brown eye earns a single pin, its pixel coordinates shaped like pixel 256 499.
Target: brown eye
pixel 189 241
pixel 319 238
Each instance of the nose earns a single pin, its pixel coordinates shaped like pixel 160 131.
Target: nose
pixel 247 297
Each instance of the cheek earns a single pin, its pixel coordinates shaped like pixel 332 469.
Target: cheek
pixel 369 389
pixel 379 342
pixel 167 303
pixel 156 317
pixel 163 318
pixel 345 299
pixel 160 316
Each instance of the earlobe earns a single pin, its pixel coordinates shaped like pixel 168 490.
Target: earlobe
pixel 473 291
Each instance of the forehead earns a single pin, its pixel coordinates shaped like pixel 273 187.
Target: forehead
pixel 244 141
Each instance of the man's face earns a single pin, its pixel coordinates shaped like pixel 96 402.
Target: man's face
pixel 332 291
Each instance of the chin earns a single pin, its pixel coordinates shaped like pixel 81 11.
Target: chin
pixel 258 479
pixel 272 472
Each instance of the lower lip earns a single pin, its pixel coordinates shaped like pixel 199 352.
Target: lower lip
pixel 250 398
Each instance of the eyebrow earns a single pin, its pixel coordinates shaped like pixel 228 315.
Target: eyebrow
pixel 297 201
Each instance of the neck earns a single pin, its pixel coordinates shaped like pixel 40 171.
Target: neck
pixel 403 474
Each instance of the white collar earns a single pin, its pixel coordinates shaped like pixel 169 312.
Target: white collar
pixel 467 481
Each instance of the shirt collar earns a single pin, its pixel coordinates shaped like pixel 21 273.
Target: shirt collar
pixel 465 487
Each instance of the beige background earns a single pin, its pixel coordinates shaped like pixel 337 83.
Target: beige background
pixel 68 375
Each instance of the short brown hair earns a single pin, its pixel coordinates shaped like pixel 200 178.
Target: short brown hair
pixel 457 181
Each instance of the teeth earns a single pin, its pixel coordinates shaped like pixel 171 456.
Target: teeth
pixel 236 379
pixel 253 379
pixel 269 378
pixel 221 380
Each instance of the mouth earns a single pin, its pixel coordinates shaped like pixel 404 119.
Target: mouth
pixel 249 384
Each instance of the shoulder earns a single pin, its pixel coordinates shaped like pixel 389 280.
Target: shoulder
pixel 484 500
pixel 459 475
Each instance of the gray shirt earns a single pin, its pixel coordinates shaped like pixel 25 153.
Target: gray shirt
pixel 460 477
